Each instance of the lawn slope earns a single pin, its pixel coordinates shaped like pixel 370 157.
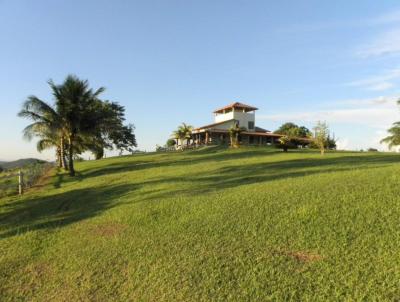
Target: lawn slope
pixel 213 224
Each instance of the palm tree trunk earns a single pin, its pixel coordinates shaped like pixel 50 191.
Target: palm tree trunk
pixel 71 157
pixel 62 154
pixel 58 155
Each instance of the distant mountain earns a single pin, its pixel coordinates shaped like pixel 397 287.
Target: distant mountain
pixel 19 163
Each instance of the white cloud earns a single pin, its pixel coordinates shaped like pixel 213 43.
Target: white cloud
pixel 381 86
pixel 363 116
pixel 381 82
pixel 387 43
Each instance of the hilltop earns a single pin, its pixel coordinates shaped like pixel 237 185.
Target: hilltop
pixel 213 224
pixel 20 163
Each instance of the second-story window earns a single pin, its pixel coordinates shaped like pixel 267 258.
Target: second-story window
pixel 251 125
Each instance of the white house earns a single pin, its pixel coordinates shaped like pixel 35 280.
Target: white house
pixel 226 117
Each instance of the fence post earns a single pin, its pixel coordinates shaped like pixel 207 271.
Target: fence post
pixel 20 182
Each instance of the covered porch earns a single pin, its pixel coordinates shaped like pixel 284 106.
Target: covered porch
pixel 222 137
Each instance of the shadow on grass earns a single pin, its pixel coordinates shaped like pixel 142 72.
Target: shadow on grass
pixel 234 176
pixel 216 154
pixel 68 207
pixel 61 209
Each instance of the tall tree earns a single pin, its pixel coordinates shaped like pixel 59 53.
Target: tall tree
pixel 321 135
pixel 78 105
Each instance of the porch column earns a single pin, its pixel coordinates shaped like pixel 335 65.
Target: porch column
pixel 207 137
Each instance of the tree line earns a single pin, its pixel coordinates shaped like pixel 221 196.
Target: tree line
pixel 78 121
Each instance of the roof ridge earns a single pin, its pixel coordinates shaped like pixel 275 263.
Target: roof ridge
pixel 236 104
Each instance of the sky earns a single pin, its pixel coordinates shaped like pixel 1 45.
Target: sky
pixel 170 62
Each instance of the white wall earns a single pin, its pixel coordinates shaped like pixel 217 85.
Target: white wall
pixel 225 126
pixel 223 117
pixel 243 117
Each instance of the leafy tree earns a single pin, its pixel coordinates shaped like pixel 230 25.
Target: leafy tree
pixel 288 140
pixel 1 169
pixel 304 132
pixel 110 133
pixel 394 138
pixel 293 135
pixel 331 142
pixel 286 127
pixel 321 135
pixel 170 142
pixel 234 133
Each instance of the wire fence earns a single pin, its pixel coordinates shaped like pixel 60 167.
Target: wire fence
pixel 17 181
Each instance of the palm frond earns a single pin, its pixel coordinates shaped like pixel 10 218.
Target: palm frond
pixel 44 144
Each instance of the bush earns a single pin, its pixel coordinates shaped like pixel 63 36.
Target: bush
pixel 170 143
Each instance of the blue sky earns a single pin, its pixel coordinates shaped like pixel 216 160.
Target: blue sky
pixel 174 61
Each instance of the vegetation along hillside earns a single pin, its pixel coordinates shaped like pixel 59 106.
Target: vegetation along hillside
pixel 213 224
pixel 20 163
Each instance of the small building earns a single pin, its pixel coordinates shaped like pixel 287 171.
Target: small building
pixel 229 116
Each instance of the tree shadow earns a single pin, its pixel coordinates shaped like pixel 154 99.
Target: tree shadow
pixel 61 209
pixel 239 175
pixel 185 158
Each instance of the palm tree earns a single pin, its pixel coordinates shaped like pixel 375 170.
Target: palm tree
pixel 49 141
pixel 78 107
pixel 394 138
pixel 184 132
pixel 79 121
pixel 234 133
pixel 47 125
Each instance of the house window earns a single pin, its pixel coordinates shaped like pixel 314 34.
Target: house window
pixel 251 125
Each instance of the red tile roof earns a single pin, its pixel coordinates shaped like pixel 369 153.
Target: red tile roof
pixel 236 105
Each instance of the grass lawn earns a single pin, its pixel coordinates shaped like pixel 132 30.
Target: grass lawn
pixel 8 186
pixel 252 224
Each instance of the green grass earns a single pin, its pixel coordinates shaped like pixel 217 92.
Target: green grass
pixel 8 184
pixel 252 224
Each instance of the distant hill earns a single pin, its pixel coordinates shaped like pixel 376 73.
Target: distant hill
pixel 19 163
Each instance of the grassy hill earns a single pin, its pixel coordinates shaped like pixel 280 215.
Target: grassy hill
pixel 214 224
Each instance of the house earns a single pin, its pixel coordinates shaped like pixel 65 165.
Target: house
pixel 226 117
